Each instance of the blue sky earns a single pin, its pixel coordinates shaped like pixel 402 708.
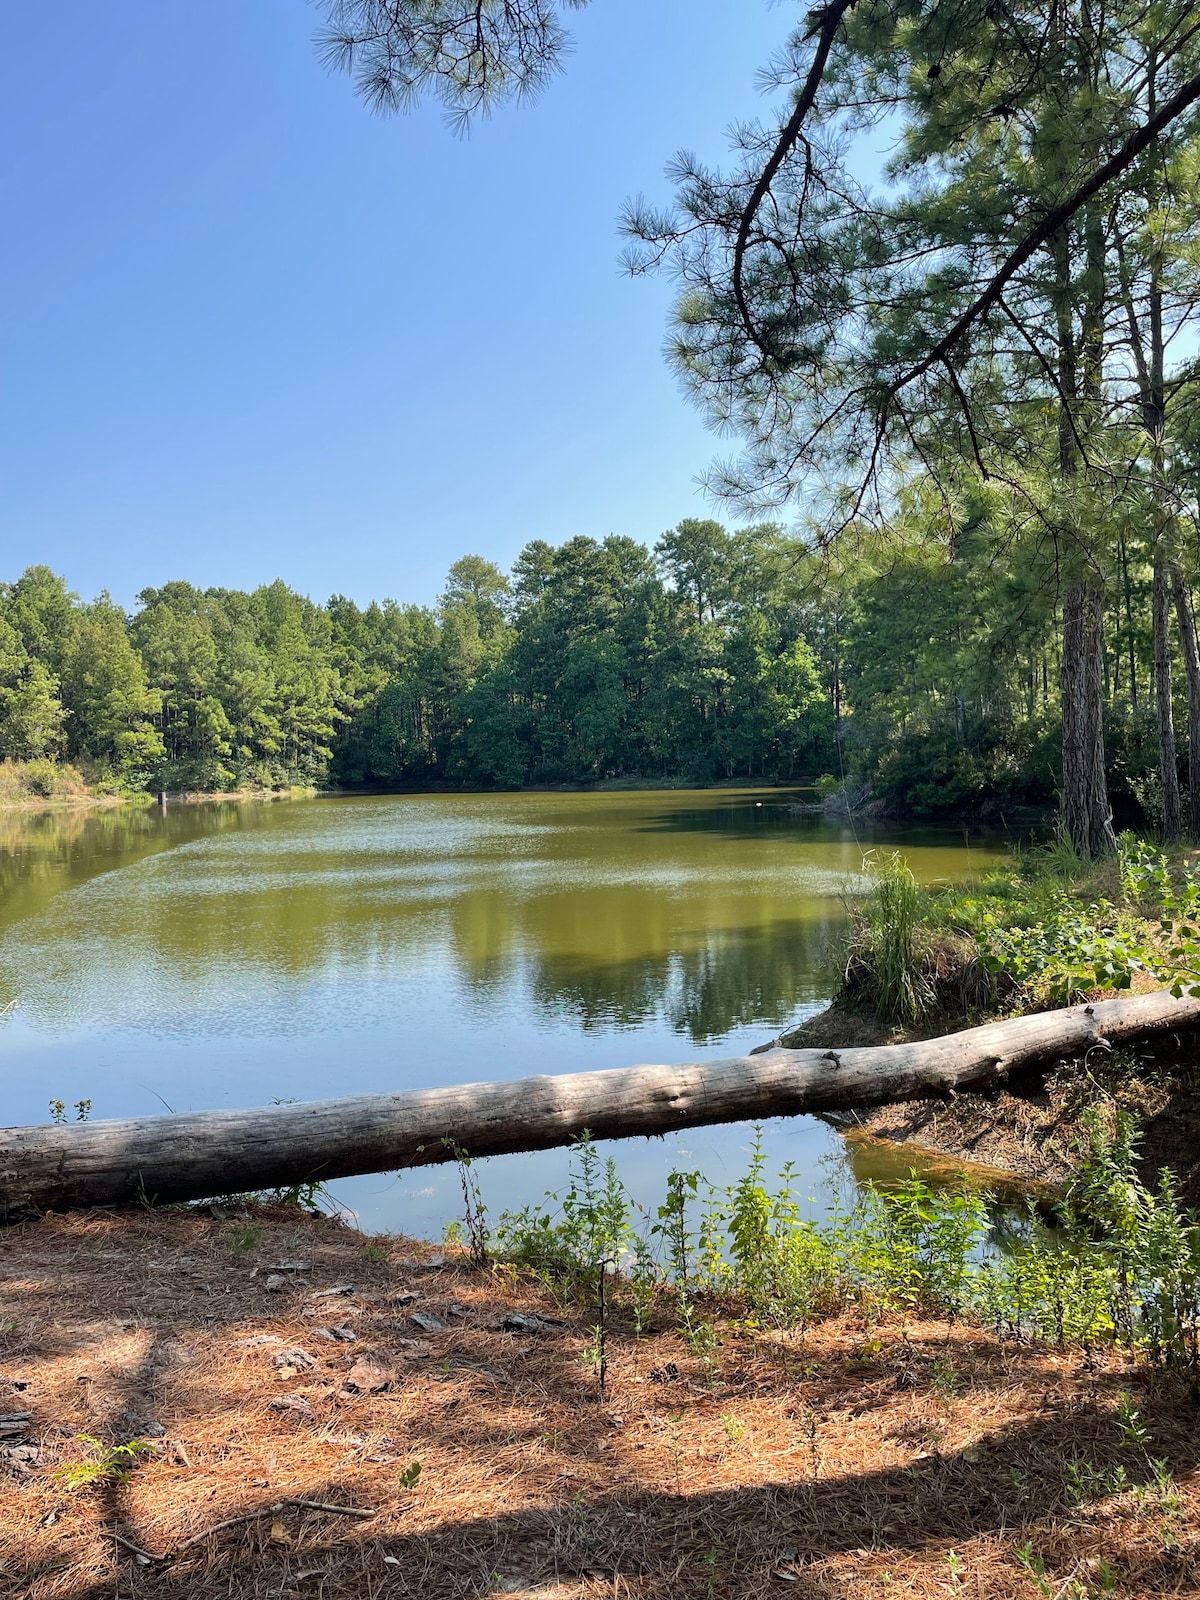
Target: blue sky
pixel 251 330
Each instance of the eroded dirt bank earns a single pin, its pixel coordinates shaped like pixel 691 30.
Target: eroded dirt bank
pixel 1035 1130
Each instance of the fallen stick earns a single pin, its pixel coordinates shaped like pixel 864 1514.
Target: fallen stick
pixel 236 1522
pixel 205 1153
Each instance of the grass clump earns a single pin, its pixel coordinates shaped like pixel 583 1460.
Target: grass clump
pixel 886 965
pixel 1046 930
pixel 904 961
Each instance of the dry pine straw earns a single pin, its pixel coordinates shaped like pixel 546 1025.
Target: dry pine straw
pixel 849 1463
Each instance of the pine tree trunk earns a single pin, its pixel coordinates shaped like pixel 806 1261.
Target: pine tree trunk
pixel 1086 812
pixel 1131 639
pixel 1172 818
pixel 1186 620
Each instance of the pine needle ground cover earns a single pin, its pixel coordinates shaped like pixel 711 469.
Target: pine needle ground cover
pixel 230 1392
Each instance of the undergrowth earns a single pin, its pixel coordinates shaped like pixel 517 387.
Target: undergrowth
pixel 1044 930
pixel 1119 1266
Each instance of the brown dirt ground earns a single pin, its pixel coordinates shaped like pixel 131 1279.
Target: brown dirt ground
pixel 909 1459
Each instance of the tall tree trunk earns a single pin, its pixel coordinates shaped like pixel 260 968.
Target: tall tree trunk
pixel 1127 594
pixel 1086 812
pixel 1172 818
pixel 1186 620
pixel 1162 696
pixel 1147 344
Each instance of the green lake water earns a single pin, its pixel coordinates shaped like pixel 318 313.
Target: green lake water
pixel 236 954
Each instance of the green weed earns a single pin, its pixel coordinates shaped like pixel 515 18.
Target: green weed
pixel 884 967
pixel 243 1241
pixel 1044 930
pixel 110 1464
pixel 58 1111
pixel 302 1195
pixel 1120 1265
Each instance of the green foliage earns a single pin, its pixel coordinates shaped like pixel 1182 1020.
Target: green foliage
pixel 596 661
pixel 885 966
pixel 304 1196
pixel 1070 950
pixel 1120 1265
pixel 1037 931
pixel 110 1463
pixel 475 1218
pixel 717 656
pixel 58 1111
pixel 590 1224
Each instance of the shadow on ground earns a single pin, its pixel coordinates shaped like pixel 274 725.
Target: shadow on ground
pixel 914 1459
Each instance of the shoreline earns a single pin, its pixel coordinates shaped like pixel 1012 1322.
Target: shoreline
pixel 1029 1136
pixel 830 808
pixel 143 799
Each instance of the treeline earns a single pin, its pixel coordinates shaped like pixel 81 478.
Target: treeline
pixel 591 661
pixel 718 656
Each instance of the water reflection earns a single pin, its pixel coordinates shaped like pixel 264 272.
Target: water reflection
pixel 738 976
pixel 236 953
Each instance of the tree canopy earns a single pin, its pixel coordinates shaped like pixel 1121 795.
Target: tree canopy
pixel 950 277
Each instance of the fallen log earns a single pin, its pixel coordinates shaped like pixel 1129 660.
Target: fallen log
pixel 205 1153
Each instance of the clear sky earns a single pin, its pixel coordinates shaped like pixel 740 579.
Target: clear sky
pixel 252 330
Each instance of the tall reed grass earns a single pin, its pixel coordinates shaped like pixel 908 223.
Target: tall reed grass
pixel 886 971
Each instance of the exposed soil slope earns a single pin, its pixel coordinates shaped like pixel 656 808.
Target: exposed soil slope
pixel 1033 1130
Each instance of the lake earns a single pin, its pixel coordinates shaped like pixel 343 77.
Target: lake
pixel 233 954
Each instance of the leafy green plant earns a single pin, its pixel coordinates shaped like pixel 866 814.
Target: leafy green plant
pixel 734 1427
pixel 1034 1566
pixel 590 1223
pixel 1134 1433
pixel 58 1111
pixel 475 1219
pixel 1084 1481
pixel 1070 950
pixel 110 1463
pixel 304 1196
pixel 1121 1265
pixel 957 1569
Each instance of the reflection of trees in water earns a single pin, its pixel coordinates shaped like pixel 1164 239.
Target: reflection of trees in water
pixel 738 976
pixel 44 852
pixel 614 940
pixel 623 956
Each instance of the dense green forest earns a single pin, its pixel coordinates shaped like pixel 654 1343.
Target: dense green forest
pixel 929 671
pixel 943 297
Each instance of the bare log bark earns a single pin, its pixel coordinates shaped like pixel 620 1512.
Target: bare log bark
pixel 206 1153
